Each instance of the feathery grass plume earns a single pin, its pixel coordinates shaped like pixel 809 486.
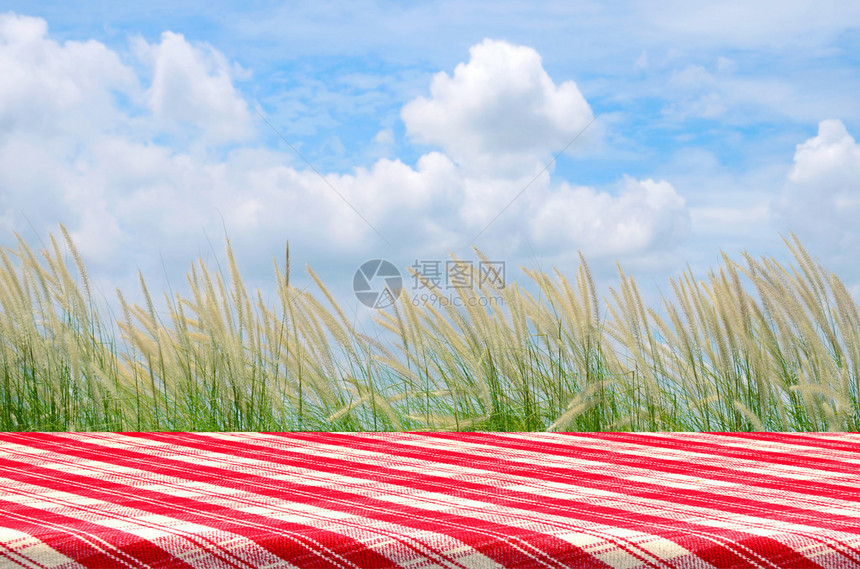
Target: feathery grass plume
pixel 346 323
pixel 818 305
pixel 587 280
pixel 780 289
pixel 625 329
pixel 565 306
pixel 397 325
pixel 35 271
pixel 446 357
pixel 683 359
pixel 20 302
pixel 239 293
pixel 847 308
pixel 753 419
pixel 209 308
pixel 753 348
pixel 811 270
pixel 567 313
pixel 711 333
pixel 577 406
pixel 221 310
pixel 738 292
pixel 849 330
pixel 773 365
pixel 244 382
pixel 394 324
pixel 405 324
pixel 151 325
pixel 37 393
pixel 79 263
pixel 276 333
pixel 747 362
pixel 227 353
pixel 770 298
pixel 476 317
pixel 681 296
pixel 467 367
pixel 183 362
pixel 788 360
pixel 728 350
pixel 71 299
pixel 317 317
pixel 689 357
pixel 340 330
pixel 574 324
pixel 140 398
pixel 825 407
pixel 639 306
pixel 811 339
pixel 294 355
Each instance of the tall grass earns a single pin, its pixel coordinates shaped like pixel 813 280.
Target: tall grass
pixel 785 357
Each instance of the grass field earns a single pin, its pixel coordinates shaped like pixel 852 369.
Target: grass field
pixel 783 357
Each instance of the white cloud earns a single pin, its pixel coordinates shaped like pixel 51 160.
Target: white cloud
pixel 821 198
pixel 384 137
pixel 726 65
pixel 722 93
pixel 193 84
pixel 831 160
pixel 128 200
pixel 48 89
pixel 720 219
pixel 693 76
pixel 647 215
pixel 791 68
pixel 498 111
pixel 747 24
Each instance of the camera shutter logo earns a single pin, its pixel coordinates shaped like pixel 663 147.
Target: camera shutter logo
pixel 377 283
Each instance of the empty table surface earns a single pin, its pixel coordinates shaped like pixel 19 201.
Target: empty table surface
pixel 421 500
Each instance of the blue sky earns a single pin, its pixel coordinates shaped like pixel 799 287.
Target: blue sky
pixel 717 126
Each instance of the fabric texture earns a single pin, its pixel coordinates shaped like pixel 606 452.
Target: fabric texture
pixel 422 500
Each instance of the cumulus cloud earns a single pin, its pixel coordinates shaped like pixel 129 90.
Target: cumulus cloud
pixel 821 197
pixel 384 137
pixel 647 215
pixel 48 89
pixel 499 110
pixel 831 159
pixel 128 200
pixel 820 201
pixel 193 84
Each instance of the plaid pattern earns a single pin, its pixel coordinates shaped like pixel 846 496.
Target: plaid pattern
pixel 422 500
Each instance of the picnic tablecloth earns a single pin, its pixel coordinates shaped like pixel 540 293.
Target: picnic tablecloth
pixel 421 500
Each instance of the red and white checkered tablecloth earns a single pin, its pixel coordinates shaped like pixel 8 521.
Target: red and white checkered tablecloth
pixel 421 500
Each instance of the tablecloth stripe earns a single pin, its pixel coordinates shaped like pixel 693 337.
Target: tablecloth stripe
pixel 146 503
pixel 422 500
pixel 603 513
pixel 418 519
